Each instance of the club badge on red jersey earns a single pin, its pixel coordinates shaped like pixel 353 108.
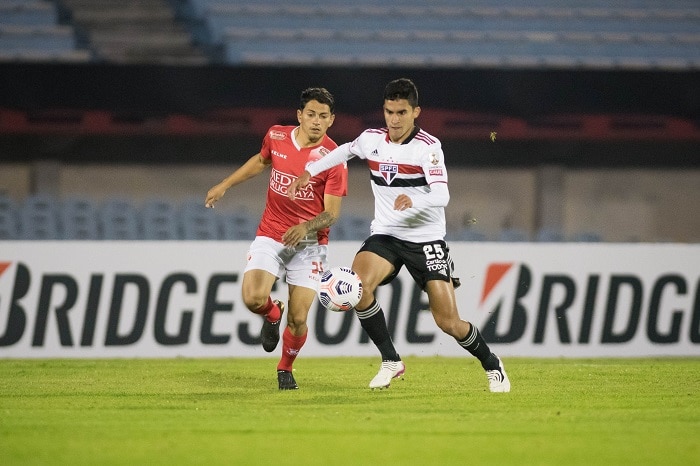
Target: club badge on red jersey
pixel 278 135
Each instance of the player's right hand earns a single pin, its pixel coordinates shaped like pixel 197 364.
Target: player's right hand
pixel 296 185
pixel 294 235
pixel 214 194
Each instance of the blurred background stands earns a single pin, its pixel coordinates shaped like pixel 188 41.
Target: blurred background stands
pixel 30 31
pixel 44 217
pixel 545 33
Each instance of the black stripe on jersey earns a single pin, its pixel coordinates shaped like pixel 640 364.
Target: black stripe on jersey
pixel 410 137
pixel 419 135
pixel 400 182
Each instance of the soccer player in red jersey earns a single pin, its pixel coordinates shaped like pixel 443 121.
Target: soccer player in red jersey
pixel 292 237
pixel 409 183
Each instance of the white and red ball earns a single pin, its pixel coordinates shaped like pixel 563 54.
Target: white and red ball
pixel 340 289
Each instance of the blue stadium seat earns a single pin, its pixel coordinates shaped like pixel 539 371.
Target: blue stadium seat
pixel 78 218
pixel 28 13
pixel 159 218
pixel 30 31
pixel 9 226
pixel 9 221
pixel 119 220
pixel 238 225
pixel 45 39
pixel 467 234
pixel 587 237
pixel 549 235
pixel 351 228
pixel 7 204
pixel 545 33
pixel 197 222
pixel 39 218
pixel 513 235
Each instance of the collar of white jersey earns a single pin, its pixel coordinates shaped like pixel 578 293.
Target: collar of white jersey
pixel 416 130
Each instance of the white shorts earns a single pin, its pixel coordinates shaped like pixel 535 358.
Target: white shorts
pixel 303 264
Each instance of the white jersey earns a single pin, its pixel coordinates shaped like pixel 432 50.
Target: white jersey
pixel 409 168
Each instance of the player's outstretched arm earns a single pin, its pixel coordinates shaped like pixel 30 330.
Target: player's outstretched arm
pixel 296 185
pixel 438 196
pixel 254 166
pixel 335 157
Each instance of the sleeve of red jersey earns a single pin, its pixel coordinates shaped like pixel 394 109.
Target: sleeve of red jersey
pixel 265 148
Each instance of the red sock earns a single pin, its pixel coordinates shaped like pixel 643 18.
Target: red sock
pixel 269 310
pixel 291 345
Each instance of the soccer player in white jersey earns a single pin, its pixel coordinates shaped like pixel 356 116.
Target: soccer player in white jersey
pixel 292 237
pixel 409 182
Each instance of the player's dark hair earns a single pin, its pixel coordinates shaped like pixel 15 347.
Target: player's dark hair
pixel 402 88
pixel 320 95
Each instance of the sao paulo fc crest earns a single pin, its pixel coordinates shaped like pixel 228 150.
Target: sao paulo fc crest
pixel 388 171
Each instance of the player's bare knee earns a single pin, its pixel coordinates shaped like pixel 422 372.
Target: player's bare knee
pixel 450 326
pixel 295 322
pixel 297 328
pixel 253 301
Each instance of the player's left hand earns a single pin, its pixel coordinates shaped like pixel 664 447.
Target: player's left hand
pixel 295 234
pixel 402 202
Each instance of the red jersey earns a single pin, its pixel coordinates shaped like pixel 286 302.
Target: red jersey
pixel 288 163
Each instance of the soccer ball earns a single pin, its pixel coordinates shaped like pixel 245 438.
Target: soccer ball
pixel 340 289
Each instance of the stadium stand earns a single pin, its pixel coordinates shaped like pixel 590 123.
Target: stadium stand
pixel 197 222
pixel 351 228
pixel 238 225
pixel 586 33
pixel 467 234
pixel 513 235
pixel 78 219
pixel 549 235
pixel 9 226
pixel 7 203
pixel 160 222
pixel 9 222
pixel 119 220
pixel 638 35
pixel 39 218
pixel 586 237
pixel 449 33
pixel 140 31
pixel 28 13
pixel 43 217
pixel 30 31
pixel 499 34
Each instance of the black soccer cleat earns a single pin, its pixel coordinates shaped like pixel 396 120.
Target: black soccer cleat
pixel 270 332
pixel 286 381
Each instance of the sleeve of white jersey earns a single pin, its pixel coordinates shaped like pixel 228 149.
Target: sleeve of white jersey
pixel 335 157
pixel 438 196
pixel 436 176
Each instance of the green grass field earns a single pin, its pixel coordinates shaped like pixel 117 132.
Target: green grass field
pixel 229 411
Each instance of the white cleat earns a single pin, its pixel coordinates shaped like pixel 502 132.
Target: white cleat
pixel 498 379
pixel 387 371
